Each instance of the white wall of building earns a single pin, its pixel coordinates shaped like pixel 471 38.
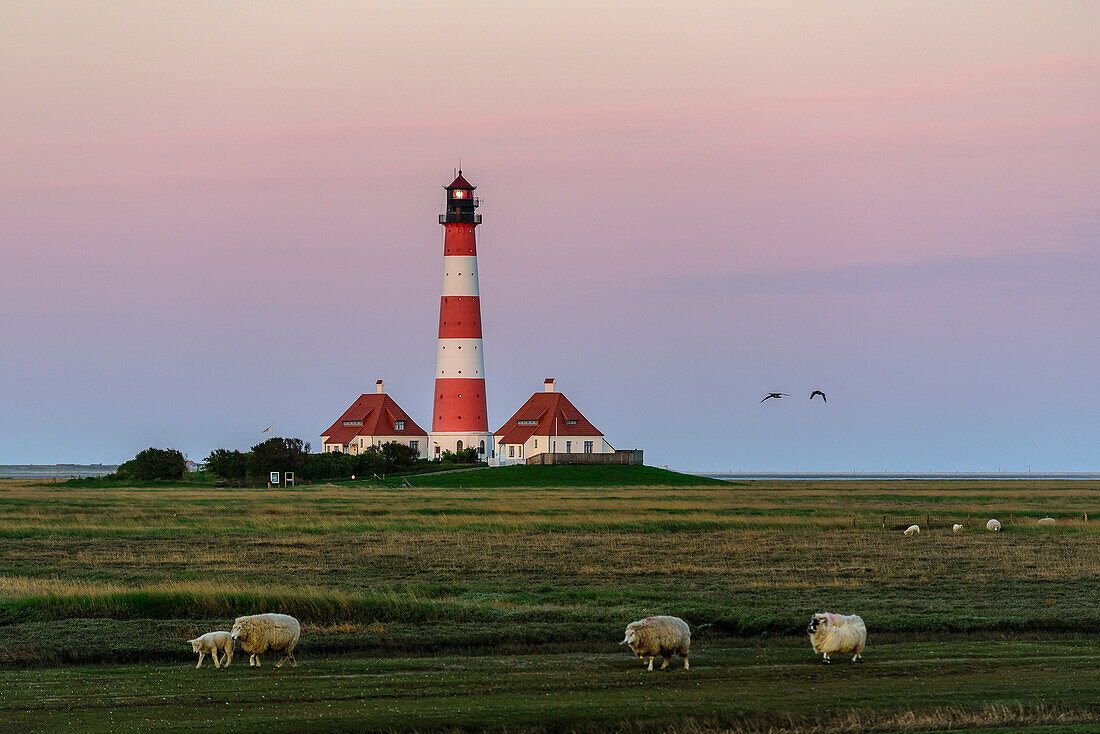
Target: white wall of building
pixel 449 442
pixel 519 453
pixel 460 359
pixel 460 275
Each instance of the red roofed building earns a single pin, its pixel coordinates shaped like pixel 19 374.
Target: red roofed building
pixel 548 423
pixel 373 420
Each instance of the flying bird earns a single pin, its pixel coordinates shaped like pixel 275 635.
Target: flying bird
pixel 775 395
pixel 818 392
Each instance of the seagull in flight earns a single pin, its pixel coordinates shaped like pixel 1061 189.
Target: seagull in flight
pixel 818 392
pixel 775 395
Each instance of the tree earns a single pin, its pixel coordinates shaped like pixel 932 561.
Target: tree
pixel 227 464
pixel 154 464
pixel 400 456
pixel 278 454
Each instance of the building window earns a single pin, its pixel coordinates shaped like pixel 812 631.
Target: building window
pixel 481 447
pixel 527 423
pixel 437 449
pixel 416 445
pixel 511 452
pixel 588 447
pixel 521 451
pixel 536 443
pixel 568 447
pixel 353 423
pixel 399 425
pixel 570 421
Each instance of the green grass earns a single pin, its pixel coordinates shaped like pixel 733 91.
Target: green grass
pixel 502 607
pixel 567 475
pixel 754 687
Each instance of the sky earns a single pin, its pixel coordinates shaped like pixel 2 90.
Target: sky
pixel 219 215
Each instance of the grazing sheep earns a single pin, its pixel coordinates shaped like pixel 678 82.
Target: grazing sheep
pixel 833 633
pixel 993 526
pixel 957 528
pixel 210 643
pixel 1047 521
pixel 662 636
pixel 912 530
pixel 259 633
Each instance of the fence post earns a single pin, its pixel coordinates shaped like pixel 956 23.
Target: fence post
pixel 884 522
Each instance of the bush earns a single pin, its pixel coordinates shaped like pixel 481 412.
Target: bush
pixel 153 464
pixel 465 456
pixel 391 457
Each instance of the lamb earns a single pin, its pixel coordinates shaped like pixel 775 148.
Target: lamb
pixel 210 643
pixel 259 633
pixel 912 530
pixel 994 526
pixel 957 528
pixel 1047 521
pixel 662 636
pixel 833 633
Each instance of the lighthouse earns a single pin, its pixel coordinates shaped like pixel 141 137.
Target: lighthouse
pixel 459 420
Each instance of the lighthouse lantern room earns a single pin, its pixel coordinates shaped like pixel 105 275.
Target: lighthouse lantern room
pixel 459 418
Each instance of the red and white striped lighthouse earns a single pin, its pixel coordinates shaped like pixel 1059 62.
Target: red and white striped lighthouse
pixel 459 419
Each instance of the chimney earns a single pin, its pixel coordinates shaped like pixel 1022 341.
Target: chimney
pixel 548 384
pixel 381 386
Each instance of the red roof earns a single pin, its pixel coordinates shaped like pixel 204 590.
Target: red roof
pixel 460 183
pixel 377 412
pixel 545 407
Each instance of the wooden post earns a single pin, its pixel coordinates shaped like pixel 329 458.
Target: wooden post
pixel 884 522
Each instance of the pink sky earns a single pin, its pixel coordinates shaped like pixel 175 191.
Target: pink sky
pixel 217 214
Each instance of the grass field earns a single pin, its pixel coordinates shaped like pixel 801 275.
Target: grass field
pixel 496 598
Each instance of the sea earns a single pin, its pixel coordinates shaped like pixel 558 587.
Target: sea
pixel 54 471
pixel 856 476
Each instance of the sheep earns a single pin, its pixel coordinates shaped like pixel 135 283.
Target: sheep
pixel 662 636
pixel 832 633
pixel 1047 521
pixel 993 526
pixel 957 528
pixel 912 530
pixel 210 643
pixel 259 633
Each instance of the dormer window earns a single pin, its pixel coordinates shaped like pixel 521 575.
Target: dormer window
pixel 570 421
pixel 526 423
pixel 399 425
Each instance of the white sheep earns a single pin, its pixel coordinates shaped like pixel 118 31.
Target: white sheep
pixel 661 636
pixel 1047 521
pixel 956 528
pixel 833 633
pixel 259 633
pixel 993 526
pixel 210 643
pixel 912 530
